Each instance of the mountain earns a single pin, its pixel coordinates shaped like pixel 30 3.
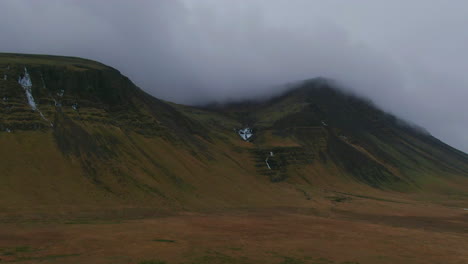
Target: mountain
pixel 78 134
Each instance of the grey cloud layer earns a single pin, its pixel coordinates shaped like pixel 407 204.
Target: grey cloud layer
pixel 407 56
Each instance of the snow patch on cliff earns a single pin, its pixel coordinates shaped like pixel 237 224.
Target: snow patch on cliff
pixel 266 161
pixel 26 83
pixel 245 133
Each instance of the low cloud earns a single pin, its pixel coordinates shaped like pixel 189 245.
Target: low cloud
pixel 406 56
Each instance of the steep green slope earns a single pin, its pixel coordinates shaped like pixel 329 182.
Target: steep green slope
pixel 376 148
pixel 92 138
pixel 77 133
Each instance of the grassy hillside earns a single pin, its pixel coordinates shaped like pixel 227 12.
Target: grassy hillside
pixel 95 140
pixel 372 146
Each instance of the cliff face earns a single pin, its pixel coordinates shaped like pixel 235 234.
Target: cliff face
pixel 91 119
pixel 77 133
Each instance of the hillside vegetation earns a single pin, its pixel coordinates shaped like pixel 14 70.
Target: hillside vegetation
pixel 93 140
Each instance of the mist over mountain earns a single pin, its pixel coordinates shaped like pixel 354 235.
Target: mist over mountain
pixel 233 131
pixel 402 55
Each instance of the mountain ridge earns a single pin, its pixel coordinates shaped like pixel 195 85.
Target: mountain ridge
pixel 112 144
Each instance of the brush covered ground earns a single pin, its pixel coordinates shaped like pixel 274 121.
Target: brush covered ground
pixel 102 172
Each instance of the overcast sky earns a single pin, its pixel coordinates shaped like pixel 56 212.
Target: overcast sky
pixel 408 56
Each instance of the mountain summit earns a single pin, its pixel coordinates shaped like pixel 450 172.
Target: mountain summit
pixel 75 131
